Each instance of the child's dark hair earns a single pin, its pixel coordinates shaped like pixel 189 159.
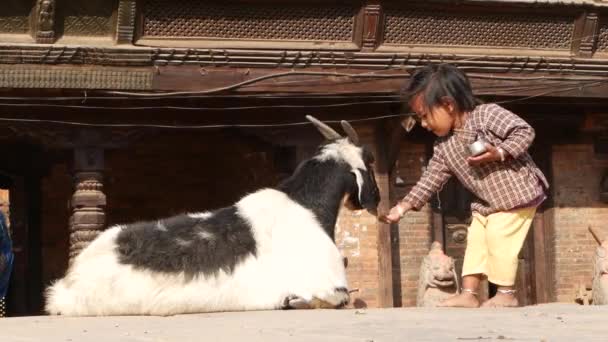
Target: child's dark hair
pixel 436 82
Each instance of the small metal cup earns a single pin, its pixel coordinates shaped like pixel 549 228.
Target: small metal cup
pixel 477 148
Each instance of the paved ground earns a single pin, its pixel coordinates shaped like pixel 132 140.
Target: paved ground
pixel 549 322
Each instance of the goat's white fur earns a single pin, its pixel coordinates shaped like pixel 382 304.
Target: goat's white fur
pixel 343 150
pixel 294 257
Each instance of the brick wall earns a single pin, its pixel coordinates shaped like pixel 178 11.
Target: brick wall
pixel 356 237
pixel 413 238
pixel 576 178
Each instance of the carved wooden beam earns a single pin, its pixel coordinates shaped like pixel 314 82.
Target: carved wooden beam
pixel 44 21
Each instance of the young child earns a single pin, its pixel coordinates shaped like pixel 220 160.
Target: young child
pixel 504 180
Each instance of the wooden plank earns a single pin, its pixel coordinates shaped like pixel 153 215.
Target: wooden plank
pixel 549 232
pixel 385 266
pixel 540 261
pixel 438 234
pixel 396 133
pixel 321 81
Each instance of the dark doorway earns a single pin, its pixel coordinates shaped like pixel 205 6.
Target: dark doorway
pixel 19 174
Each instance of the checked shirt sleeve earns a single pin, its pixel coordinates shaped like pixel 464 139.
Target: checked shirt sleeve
pixel 517 134
pixel 433 178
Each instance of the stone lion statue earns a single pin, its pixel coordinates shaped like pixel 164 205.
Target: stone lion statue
pixel 600 275
pixel 438 279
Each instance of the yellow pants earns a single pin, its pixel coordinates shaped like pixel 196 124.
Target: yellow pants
pixel 494 242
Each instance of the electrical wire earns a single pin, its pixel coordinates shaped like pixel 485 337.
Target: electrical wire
pixel 77 123
pixel 379 117
pixel 333 105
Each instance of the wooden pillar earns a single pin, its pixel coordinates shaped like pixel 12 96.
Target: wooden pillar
pixel 387 137
pixel 88 201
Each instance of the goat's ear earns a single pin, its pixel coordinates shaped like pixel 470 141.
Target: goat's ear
pixel 408 123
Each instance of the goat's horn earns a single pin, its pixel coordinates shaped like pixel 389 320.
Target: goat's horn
pixel 350 131
pixel 327 131
pixel 597 235
pixel 408 123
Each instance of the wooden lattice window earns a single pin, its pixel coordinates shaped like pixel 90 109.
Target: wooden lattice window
pixel 474 28
pixel 87 17
pixel 602 36
pixel 198 19
pixel 14 16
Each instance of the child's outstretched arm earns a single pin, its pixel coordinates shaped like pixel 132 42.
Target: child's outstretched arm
pixel 433 178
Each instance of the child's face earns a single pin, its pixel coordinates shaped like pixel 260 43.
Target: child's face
pixel 438 119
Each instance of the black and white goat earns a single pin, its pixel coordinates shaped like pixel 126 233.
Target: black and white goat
pixel 272 249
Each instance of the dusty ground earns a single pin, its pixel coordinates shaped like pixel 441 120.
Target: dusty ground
pixel 549 322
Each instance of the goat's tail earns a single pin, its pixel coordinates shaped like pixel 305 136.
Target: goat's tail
pixel 59 299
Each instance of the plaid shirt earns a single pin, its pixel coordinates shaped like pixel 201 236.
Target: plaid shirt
pixel 497 186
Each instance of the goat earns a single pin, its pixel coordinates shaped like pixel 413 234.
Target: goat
pixel 273 249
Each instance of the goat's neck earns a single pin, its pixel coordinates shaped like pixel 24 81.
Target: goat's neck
pixel 320 188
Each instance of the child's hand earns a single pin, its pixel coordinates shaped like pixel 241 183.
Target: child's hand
pixel 492 154
pixel 396 213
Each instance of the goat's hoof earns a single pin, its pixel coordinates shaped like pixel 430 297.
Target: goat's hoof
pixel 295 302
pixel 339 298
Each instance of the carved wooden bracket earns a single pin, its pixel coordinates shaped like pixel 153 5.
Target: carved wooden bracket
pixel 585 34
pixel 126 21
pixel 372 25
pixel 44 21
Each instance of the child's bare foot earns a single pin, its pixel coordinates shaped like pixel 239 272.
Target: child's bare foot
pixel 463 300
pixel 501 300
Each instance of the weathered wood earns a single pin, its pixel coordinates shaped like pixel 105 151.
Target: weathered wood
pixel 395 135
pixel 540 259
pixel 88 201
pixel 438 231
pixel 385 267
pixel 585 34
pixel 372 25
pixel 125 22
